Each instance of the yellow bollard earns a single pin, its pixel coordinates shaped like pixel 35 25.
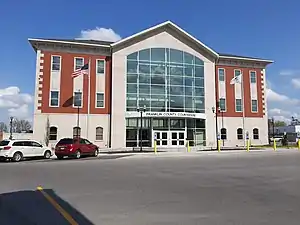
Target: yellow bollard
pixel 219 145
pixel 248 145
pixel 188 146
pixel 299 144
pixel 274 145
pixel 155 147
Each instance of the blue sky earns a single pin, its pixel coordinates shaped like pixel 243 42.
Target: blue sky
pixel 266 29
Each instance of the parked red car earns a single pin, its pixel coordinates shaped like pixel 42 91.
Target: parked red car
pixel 75 147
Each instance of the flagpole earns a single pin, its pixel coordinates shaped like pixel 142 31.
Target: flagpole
pixel 243 102
pixel 89 100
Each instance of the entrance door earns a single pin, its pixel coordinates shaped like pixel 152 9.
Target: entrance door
pixel 169 138
pixel 162 138
pixel 177 138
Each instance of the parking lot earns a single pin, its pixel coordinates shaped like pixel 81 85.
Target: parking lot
pixel 136 189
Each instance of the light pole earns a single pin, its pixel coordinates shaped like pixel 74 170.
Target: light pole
pixel 216 123
pixel 273 126
pixel 141 110
pixel 10 128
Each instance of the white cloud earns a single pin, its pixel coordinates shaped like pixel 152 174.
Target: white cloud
pixel 15 103
pixel 273 96
pixel 296 83
pixel 20 112
pixel 282 115
pixel 101 34
pixel 289 72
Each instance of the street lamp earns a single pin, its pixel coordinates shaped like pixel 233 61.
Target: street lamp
pixel 216 121
pixel 141 110
pixel 11 127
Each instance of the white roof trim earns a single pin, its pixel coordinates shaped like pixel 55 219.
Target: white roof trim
pixel 246 59
pixel 68 42
pixel 161 25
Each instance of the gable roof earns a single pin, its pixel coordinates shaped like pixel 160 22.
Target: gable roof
pixel 231 56
pixel 171 25
pixel 95 43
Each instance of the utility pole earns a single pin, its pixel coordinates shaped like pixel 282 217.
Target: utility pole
pixel 10 128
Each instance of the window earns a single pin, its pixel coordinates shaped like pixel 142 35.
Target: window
pixel 223 134
pixel 255 134
pixel 238 105
pixel 254 105
pixel 53 133
pixel 35 144
pixel 79 62
pixel 18 143
pixel 76 132
pixel 77 99
pixel 55 63
pixel 252 77
pixel 99 134
pixel 4 143
pixel 100 100
pixel 221 73
pixel 240 134
pixel 222 104
pixel 54 98
pixel 237 73
pixel 100 66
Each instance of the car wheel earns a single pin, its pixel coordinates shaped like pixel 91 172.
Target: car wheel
pixel 17 157
pixel 59 157
pixel 47 155
pixel 77 154
pixel 96 153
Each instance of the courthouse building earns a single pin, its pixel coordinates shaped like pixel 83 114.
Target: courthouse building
pixel 179 86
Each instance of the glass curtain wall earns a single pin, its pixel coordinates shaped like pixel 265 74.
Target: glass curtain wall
pixel 165 80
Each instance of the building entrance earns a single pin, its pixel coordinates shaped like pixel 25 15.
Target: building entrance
pixel 169 138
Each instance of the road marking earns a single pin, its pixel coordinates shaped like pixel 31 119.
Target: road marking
pixel 63 212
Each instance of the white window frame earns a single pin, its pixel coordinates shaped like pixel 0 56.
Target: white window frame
pixel 102 135
pixel 256 106
pixel 255 134
pixel 103 68
pixel 252 71
pixel 241 105
pixel 219 75
pixel 237 70
pixel 74 99
pixel 51 134
pixel 75 62
pixel 97 100
pixel 50 95
pixel 220 105
pixel 52 63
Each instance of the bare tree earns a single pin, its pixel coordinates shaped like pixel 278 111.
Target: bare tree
pixel 20 126
pixel 3 127
pixel 47 132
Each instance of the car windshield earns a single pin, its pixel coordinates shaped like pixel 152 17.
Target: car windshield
pixel 4 143
pixel 66 141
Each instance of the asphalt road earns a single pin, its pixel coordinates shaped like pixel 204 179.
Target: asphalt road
pixel 209 188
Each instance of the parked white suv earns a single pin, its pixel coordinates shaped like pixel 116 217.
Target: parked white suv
pixel 19 149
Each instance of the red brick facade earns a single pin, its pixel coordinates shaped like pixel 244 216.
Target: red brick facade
pixel 230 91
pixel 66 84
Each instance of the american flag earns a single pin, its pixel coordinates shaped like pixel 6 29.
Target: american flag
pixel 81 71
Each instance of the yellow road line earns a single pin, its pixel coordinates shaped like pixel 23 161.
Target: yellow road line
pixel 63 212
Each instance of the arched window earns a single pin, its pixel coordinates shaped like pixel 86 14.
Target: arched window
pixel 255 134
pixel 53 133
pixel 76 132
pixel 239 133
pixel 223 134
pixel 99 133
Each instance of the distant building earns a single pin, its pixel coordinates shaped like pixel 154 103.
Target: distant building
pixel 176 77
